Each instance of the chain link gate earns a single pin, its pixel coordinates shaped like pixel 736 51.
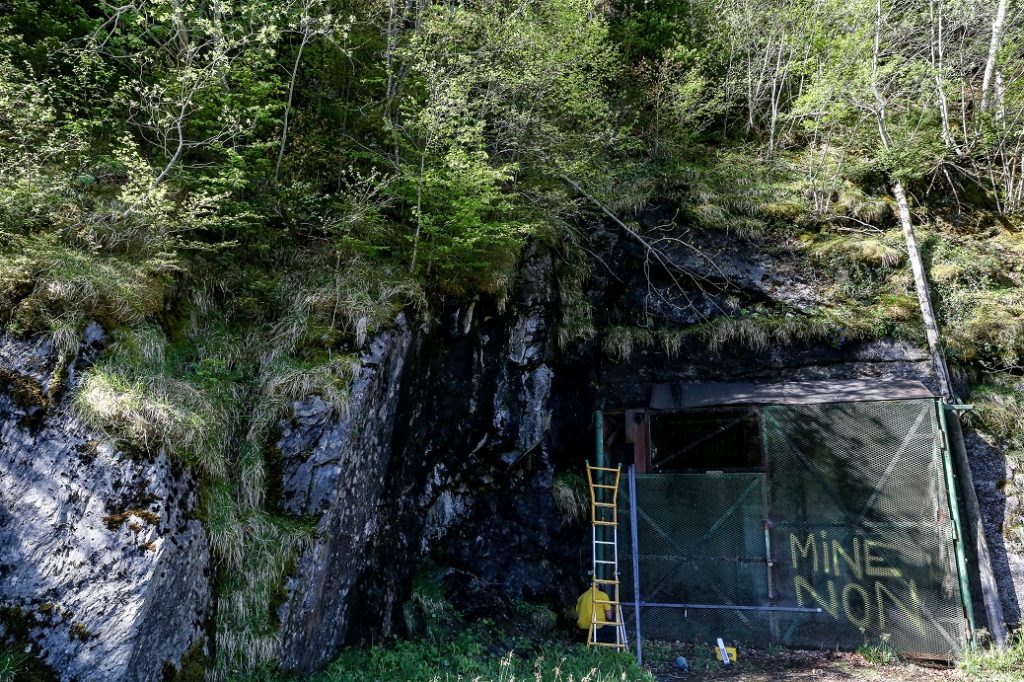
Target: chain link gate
pixel 845 540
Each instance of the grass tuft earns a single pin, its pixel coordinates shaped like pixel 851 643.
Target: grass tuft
pixel 572 498
pixel 995 665
pixel 577 314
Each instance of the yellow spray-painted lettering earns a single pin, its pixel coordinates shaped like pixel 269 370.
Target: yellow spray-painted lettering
pixel 808 548
pixel 832 605
pixel 852 563
pixel 836 584
pixel 873 563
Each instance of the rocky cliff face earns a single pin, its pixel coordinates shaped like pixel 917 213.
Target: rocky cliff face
pixel 103 567
pixel 450 421
pixel 335 468
pixel 448 451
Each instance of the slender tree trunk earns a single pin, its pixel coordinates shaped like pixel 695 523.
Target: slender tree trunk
pixel 993 52
pixel 389 60
pixel 419 211
pixel 288 107
pixel 924 298
pixel 938 50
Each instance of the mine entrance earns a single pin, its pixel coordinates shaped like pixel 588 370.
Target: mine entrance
pixel 815 515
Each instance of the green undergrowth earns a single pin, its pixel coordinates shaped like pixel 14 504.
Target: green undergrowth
pixel 479 652
pixel 520 641
pixel 989 664
pixel 466 658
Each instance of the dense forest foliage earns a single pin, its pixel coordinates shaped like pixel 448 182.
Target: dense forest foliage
pixel 241 192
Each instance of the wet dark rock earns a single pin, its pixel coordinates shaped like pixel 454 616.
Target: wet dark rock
pixel 335 469
pixel 994 477
pixel 446 426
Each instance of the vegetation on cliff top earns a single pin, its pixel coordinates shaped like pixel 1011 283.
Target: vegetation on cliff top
pixel 240 193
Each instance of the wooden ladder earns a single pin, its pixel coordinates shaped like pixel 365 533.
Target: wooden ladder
pixel 604 519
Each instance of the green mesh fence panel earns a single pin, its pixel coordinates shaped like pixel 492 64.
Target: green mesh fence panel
pixel 857 515
pixel 860 525
pixel 701 541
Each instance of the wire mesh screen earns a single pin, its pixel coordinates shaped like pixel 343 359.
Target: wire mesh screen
pixel 851 519
pixel 701 542
pixel 861 525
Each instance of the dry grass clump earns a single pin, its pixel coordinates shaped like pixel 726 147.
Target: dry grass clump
pixel 995 665
pixel 571 497
pixel 728 194
pixel 851 201
pixel 620 341
pixel 341 300
pixel 577 315
pixel 893 316
pixel 154 412
pixel 254 573
pixel 59 281
pixel 136 397
pixel 999 408
pixel 884 252
pixel 986 325
pixel 959 266
pixel 48 286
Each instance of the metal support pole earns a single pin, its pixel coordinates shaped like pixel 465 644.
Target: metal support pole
pixel 636 562
pixel 599 459
pixel 734 607
pixel 957 450
pixel 954 508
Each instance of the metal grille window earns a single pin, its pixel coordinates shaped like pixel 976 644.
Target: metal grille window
pixel 721 439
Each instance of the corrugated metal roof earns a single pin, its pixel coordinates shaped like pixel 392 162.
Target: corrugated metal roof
pixel 689 395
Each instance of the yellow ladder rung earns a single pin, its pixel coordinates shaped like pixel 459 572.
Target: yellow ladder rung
pixel 609 509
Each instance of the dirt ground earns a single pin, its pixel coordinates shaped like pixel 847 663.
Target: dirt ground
pixel 785 664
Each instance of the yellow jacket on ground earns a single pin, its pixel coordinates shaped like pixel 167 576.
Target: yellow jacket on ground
pixel 585 607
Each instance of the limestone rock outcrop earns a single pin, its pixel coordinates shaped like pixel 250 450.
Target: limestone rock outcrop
pixel 103 566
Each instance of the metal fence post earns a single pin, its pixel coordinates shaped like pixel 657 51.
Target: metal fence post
pixel 636 562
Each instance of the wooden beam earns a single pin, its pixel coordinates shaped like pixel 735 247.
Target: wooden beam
pixel 640 450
